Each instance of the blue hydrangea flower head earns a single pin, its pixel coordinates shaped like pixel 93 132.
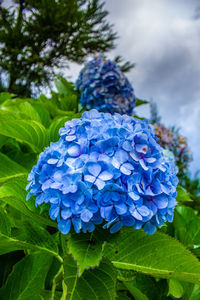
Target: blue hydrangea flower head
pixel 103 86
pixel 105 169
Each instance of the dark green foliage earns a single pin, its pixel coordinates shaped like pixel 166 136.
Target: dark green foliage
pixel 125 67
pixel 38 37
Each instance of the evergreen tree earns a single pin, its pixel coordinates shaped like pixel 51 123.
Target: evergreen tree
pixel 154 116
pixel 39 36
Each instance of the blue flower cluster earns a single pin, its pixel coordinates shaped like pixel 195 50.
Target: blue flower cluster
pixel 105 169
pixel 104 87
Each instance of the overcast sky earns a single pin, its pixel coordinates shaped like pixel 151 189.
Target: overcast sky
pixel 163 38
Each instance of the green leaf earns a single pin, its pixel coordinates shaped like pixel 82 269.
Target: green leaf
pixel 27 236
pixel 10 169
pixel 135 292
pixel 182 195
pixel 13 193
pixel 3 140
pixel 21 105
pixel 30 132
pixel 194 231
pixel 158 255
pixel 98 283
pixel 4 96
pixel 7 261
pixel 86 249
pixel 186 212
pixel 63 86
pixel 175 288
pixel 195 293
pixel 187 226
pixel 5 224
pixel 29 110
pixel 70 276
pixel 140 102
pixel 43 113
pixel 67 96
pixel 27 278
pixel 180 229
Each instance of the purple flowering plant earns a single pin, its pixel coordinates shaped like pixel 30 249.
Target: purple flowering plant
pixel 170 139
pixel 105 169
pixel 103 86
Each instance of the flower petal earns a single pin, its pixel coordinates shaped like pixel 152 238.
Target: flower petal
pixel 64 226
pixel 66 214
pixel 143 211
pixel 121 209
pixel 89 178
pixel 149 228
pixel 105 175
pixel 86 215
pixel 52 161
pixel 94 169
pixel 100 184
pixel 116 227
pixel 74 150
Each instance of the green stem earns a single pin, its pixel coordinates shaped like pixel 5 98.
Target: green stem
pixel 59 258
pixel 64 294
pixel 60 271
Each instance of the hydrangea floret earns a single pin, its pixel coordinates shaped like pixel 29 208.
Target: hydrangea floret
pixel 103 86
pixel 105 169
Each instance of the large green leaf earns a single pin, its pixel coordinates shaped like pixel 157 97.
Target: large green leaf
pixel 21 105
pixel 4 96
pixel 10 169
pixel 25 236
pixel 158 255
pixel 98 283
pixel 34 109
pixel 13 193
pixel 43 113
pixel 27 278
pixel 26 131
pixel 86 249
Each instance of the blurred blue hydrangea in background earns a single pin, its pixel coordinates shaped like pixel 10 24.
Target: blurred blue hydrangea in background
pixel 105 169
pixel 103 86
